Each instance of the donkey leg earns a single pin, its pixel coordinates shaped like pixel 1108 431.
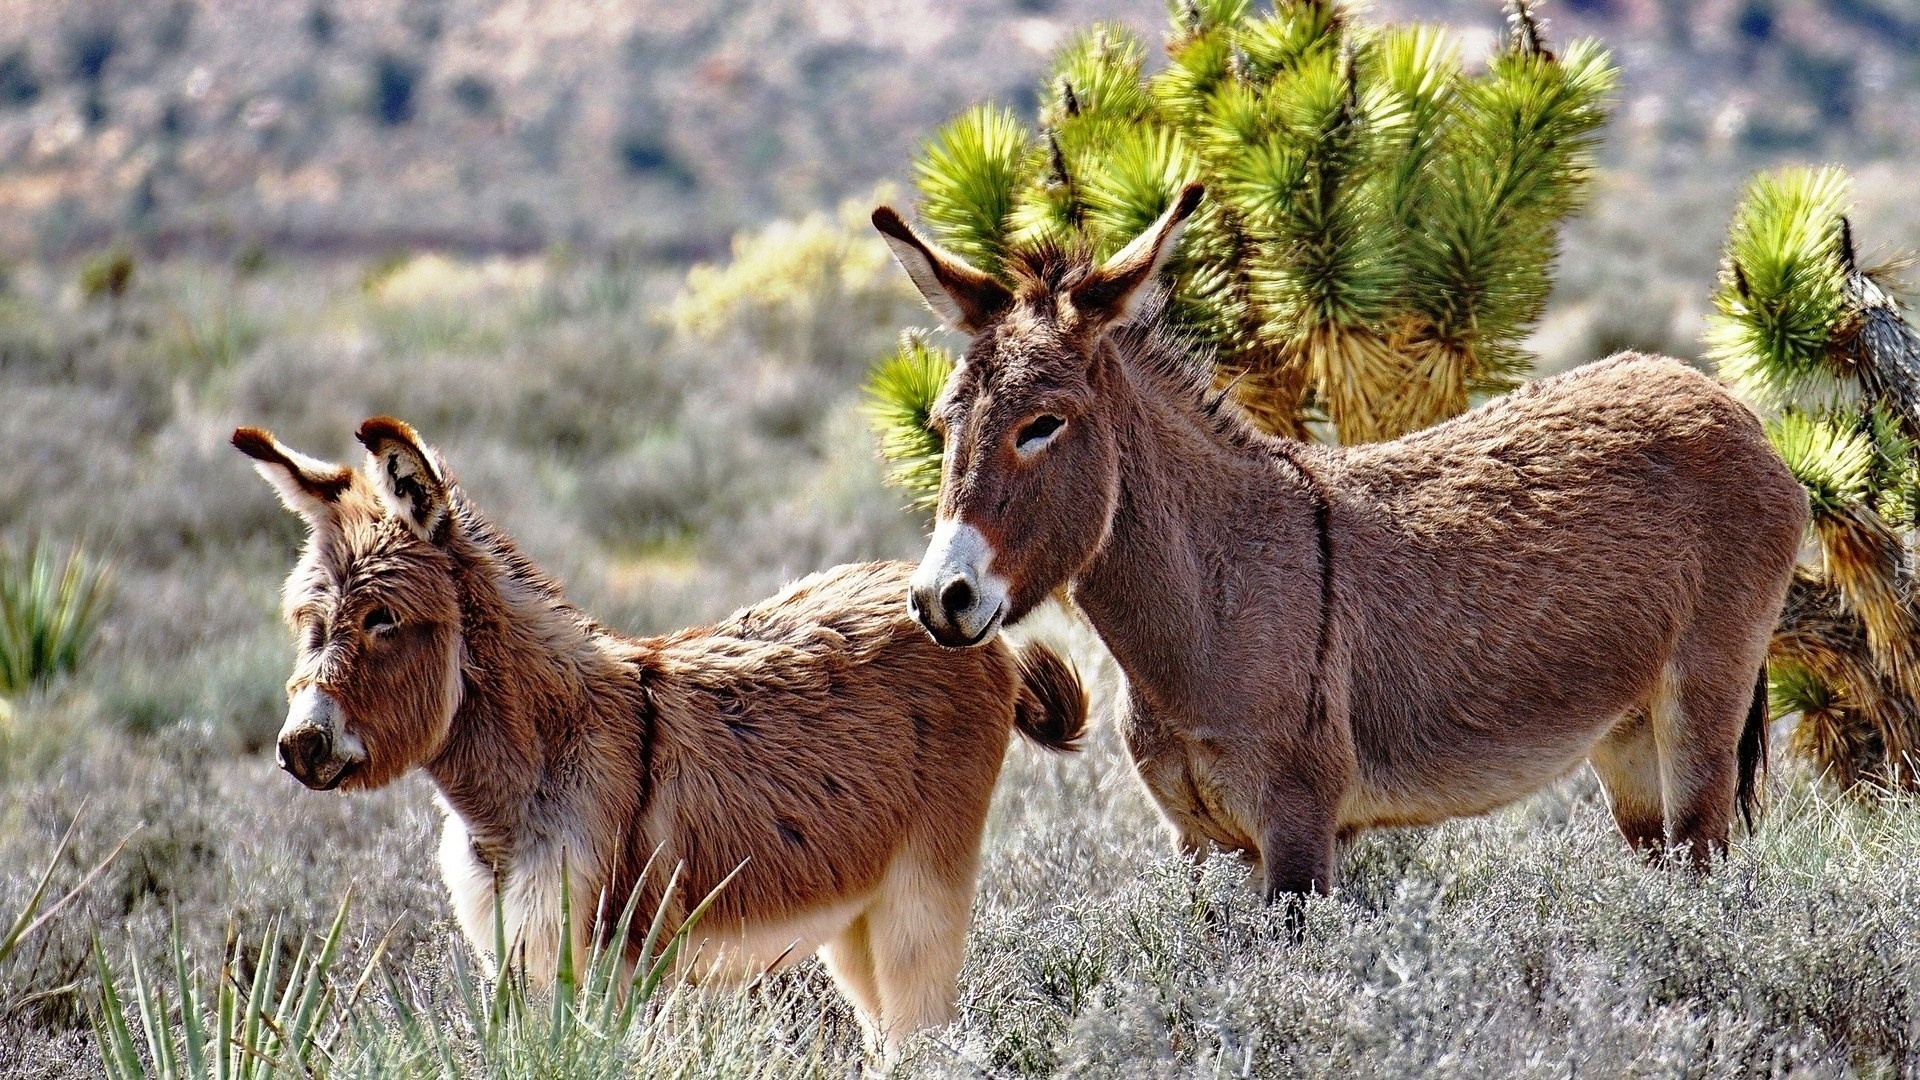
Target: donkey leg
pixel 1627 761
pixel 1698 718
pixel 849 959
pixel 1299 826
pixel 1162 765
pixel 917 930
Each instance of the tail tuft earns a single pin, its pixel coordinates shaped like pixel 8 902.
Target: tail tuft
pixel 1051 708
pixel 1750 796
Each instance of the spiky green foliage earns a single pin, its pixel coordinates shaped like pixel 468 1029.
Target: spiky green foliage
pixel 1381 222
pixel 267 1027
pixel 1803 331
pixel 50 608
pixel 1832 462
pixel 900 396
pixel 303 1024
pixel 1782 298
pixel 967 179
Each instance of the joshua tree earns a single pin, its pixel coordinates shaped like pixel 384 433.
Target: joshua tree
pixel 1380 224
pixel 1807 334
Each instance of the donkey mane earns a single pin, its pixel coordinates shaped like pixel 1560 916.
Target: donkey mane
pixel 1181 366
pixel 1049 265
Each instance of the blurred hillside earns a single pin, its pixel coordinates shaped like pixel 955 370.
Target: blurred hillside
pixel 356 127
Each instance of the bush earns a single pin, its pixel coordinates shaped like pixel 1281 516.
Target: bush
pixel 474 94
pixel 268 1024
pixel 391 96
pixel 107 275
pixel 49 611
pixel 89 48
pixel 19 86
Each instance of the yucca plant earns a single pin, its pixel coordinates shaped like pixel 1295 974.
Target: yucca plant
pixel 50 608
pixel 1807 334
pixel 900 395
pixel 1381 220
pixel 271 1025
pixel 297 1024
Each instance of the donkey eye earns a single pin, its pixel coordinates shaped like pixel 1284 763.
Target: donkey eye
pixel 379 620
pixel 1037 433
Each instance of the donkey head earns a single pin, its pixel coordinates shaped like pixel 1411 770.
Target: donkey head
pixel 1031 473
pixel 373 606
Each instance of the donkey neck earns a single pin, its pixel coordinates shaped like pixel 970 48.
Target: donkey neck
pixel 1169 584
pixel 548 703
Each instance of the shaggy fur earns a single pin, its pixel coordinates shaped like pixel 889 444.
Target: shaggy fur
pixel 817 742
pixel 1321 640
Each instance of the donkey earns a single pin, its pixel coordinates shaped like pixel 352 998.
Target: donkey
pixel 1321 640
pixel 817 741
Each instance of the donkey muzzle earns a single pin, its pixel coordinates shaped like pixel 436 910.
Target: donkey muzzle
pixel 313 745
pixel 953 594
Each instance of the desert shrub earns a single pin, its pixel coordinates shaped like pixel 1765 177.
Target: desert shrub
pixel 237 693
pixel 269 1024
pixel 668 485
pixel 390 89
pixel 18 84
pixel 107 275
pixel 90 46
pixel 50 610
pixel 1802 330
pixel 209 329
pixel 821 292
pixel 473 93
pixel 650 154
pixel 1380 224
pixel 173 31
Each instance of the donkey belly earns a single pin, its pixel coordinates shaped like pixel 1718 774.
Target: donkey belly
pixel 1465 771
pixel 741 951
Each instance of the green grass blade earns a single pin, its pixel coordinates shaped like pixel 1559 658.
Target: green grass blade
pixel 313 986
pixel 667 956
pixel 24 923
pixel 67 898
pixel 225 998
pixel 119 1054
pixel 193 1030
pixel 153 1019
pixel 565 979
pixel 253 1009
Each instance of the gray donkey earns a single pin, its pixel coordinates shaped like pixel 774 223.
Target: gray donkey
pixel 1320 640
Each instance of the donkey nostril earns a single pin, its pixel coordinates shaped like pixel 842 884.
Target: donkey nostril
pixel 956 597
pixel 305 750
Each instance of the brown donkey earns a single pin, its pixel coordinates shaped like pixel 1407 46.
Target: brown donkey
pixel 819 738
pixel 1322 640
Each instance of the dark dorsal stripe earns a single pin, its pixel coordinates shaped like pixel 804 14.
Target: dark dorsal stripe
pixel 1323 536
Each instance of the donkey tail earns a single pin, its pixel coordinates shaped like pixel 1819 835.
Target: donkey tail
pixel 1051 706
pixel 1750 796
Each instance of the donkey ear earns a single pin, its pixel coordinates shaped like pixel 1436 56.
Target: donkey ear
pixel 964 298
pixel 309 487
pixel 1112 295
pixel 407 476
